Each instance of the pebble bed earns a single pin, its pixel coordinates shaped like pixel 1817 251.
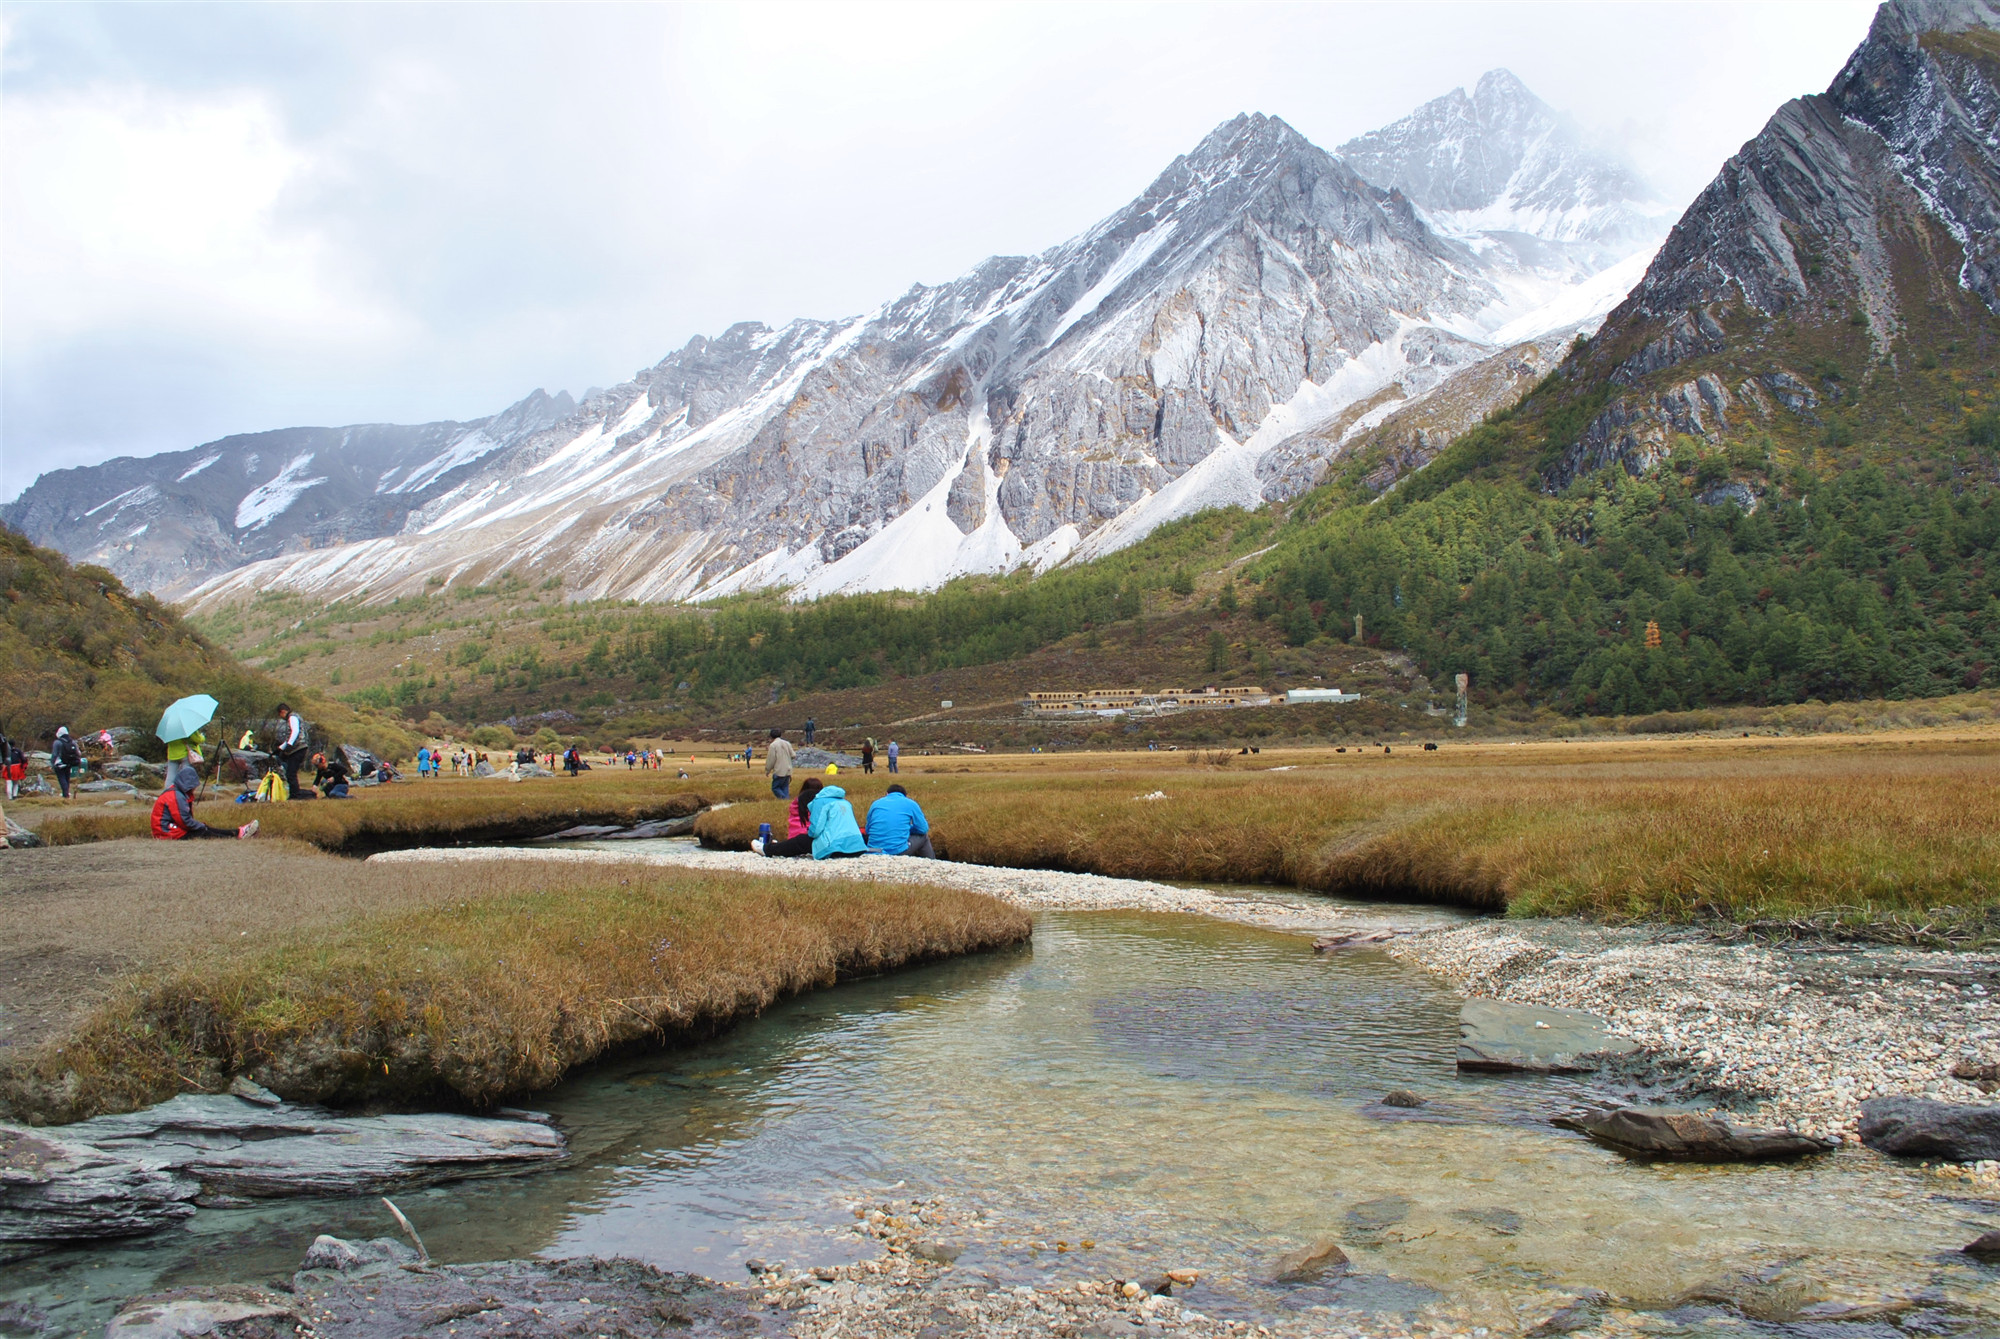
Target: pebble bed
pixel 1807 1032
pixel 1035 889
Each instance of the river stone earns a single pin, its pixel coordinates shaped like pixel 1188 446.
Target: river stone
pixel 1985 1247
pixel 1311 1262
pixel 1370 1219
pixel 483 768
pixel 1497 1037
pixel 349 1257
pixel 238 1147
pixel 55 1189
pixel 1402 1097
pixel 250 1090
pixel 22 837
pixel 1916 1127
pixel 227 1312
pixel 1660 1132
pixel 657 827
pixel 937 1252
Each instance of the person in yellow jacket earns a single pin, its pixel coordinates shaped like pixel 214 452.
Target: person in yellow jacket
pixel 184 753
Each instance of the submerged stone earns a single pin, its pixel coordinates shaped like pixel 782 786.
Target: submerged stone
pixel 1659 1132
pixel 1497 1037
pixel 1311 1262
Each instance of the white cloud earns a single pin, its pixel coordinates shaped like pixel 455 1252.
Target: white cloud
pixel 134 206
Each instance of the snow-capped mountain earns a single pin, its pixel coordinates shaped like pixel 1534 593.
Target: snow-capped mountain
pixel 1501 171
pixel 1216 341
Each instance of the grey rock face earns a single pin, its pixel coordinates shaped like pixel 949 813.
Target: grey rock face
pixel 1916 1127
pixel 55 1189
pixel 167 522
pixel 1828 214
pixel 241 1147
pixel 1497 1037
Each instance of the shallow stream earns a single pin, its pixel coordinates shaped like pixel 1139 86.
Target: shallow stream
pixel 1180 1093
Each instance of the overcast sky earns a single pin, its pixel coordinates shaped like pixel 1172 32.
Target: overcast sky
pixel 225 219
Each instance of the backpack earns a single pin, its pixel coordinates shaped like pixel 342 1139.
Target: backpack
pixel 67 752
pixel 273 788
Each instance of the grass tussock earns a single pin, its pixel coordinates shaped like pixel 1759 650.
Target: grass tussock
pixel 1841 837
pixel 536 971
pixel 434 813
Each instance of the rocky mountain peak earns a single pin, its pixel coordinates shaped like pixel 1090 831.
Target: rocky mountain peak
pixel 1499 165
pixel 1912 18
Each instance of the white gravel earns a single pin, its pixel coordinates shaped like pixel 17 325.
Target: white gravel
pixel 1036 889
pixel 1815 1031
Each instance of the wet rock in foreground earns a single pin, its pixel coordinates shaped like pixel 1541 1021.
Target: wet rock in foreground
pixel 1497 1037
pixel 54 1190
pixel 122 1176
pixel 1917 1127
pixel 239 1146
pixel 1660 1132
pixel 375 1299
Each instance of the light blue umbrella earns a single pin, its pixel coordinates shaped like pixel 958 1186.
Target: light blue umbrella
pixel 186 716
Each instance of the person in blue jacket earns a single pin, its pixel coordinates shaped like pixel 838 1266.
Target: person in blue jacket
pixel 897 826
pixel 835 834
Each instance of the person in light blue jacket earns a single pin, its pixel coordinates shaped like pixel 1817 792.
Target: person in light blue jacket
pixel 835 834
pixel 897 826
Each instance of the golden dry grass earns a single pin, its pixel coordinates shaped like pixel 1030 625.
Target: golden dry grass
pixel 1688 831
pixel 529 971
pixel 444 812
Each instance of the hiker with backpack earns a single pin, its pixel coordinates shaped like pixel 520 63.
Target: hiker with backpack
pixel 64 757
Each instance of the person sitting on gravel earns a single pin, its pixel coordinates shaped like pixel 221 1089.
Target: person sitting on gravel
pixel 798 824
pixel 897 826
pixel 835 834
pixel 173 813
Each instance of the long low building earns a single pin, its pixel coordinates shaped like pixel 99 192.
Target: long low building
pixel 1143 701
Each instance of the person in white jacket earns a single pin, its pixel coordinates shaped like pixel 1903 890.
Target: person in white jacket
pixel 292 744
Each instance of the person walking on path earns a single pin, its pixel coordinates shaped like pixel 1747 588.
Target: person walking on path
pixel 173 813
pixel 897 826
pixel 810 728
pixel 778 764
pixel 294 737
pixel 895 752
pixel 64 757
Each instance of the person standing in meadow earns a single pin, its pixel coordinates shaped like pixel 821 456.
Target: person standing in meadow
pixel 895 752
pixel 810 728
pixel 778 765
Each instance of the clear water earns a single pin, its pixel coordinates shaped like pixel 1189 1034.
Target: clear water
pixel 1177 1091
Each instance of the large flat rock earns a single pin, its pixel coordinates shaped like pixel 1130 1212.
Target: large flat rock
pixel 1497 1037
pixel 118 1176
pixel 54 1190
pixel 235 1146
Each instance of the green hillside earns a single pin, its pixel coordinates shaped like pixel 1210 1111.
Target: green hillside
pixel 78 649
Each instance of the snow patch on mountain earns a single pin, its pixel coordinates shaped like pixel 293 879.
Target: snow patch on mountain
pixel 263 504
pixel 197 467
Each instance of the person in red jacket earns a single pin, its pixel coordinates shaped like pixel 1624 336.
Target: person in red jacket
pixel 173 813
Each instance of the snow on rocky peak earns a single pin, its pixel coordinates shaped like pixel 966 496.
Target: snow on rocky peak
pixel 1216 341
pixel 1498 166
